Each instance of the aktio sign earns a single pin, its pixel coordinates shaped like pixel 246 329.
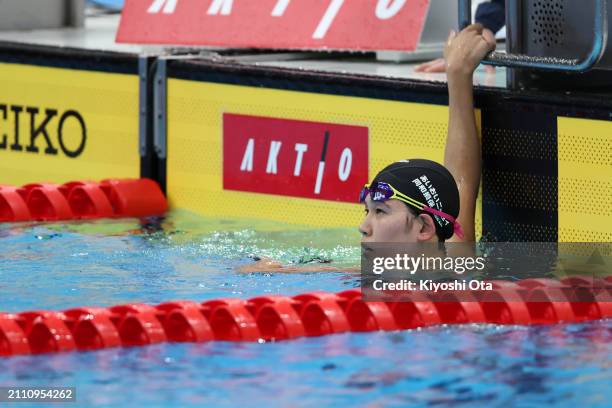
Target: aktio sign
pixel 294 158
pixel 288 24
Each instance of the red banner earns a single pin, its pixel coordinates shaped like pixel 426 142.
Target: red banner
pixel 287 24
pixel 294 158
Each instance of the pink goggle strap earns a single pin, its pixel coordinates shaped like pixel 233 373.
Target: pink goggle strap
pixel 457 230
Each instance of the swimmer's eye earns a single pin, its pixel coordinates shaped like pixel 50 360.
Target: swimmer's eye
pixel 379 211
pixel 366 211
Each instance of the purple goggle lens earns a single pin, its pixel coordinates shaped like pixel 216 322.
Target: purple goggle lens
pixel 378 191
pixel 381 191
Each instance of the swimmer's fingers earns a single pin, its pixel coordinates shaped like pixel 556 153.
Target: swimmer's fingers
pixel 480 42
pixel 263 265
pixel 476 27
pixel 489 37
pixel 437 65
pixel 484 44
pixel 464 51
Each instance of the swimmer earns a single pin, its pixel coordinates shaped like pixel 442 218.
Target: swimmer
pixel 421 201
pixel 399 199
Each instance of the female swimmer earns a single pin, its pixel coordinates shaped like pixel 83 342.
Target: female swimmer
pixel 421 201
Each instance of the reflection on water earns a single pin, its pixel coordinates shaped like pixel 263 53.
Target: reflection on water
pixel 57 266
pixel 475 365
pixel 184 256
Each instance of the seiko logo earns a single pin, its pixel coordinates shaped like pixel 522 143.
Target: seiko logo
pixel 46 130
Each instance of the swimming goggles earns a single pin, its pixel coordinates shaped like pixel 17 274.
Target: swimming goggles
pixel 381 191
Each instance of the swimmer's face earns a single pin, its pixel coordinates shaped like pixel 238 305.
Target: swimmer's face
pixel 390 221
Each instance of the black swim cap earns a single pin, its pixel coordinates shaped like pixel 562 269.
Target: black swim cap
pixel 428 182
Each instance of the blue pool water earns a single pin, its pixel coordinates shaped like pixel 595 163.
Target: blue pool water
pixel 187 257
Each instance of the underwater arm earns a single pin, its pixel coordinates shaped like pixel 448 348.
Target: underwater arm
pixel 271 266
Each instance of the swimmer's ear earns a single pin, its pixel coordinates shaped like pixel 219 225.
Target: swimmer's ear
pixel 428 228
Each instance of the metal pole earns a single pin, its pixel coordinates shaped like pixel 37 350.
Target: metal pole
pixel 465 13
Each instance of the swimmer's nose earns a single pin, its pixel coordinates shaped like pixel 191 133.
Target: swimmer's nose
pixel 365 229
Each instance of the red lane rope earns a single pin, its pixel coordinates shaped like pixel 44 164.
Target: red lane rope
pixel 311 314
pixel 81 200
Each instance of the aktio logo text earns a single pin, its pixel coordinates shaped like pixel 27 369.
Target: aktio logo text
pixel 294 158
pixel 48 131
pixel 293 24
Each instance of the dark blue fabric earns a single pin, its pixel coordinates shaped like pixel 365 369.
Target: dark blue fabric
pixel 492 15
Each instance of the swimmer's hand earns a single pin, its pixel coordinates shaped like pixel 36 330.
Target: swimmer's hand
pixel 434 66
pixel 262 265
pixel 269 265
pixel 465 50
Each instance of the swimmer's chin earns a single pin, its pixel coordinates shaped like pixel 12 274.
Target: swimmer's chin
pixel 367 251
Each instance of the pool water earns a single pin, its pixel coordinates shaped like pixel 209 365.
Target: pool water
pixel 184 256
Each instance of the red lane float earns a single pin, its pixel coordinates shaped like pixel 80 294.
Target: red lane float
pixel 231 320
pixel 81 200
pixel 591 296
pixel 271 318
pixel 321 313
pixel 46 202
pixel 12 205
pixel 87 200
pixel 138 324
pixel 13 340
pixel 135 198
pixel 540 296
pixel 277 317
pixel 46 331
pixel 504 305
pixel 458 307
pixel 184 321
pixel 366 316
pixel 420 312
pixel 92 328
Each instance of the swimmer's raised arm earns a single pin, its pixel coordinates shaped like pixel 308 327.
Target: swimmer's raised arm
pixel 463 53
